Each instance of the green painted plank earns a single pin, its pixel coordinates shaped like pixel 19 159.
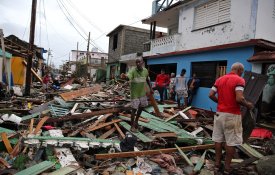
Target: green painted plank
pixel 184 156
pixel 65 170
pixel 36 169
pixel 141 136
pixel 27 117
pixel 72 139
pixel 148 125
pixel 6 130
pixel 149 116
pixel 251 150
pixel 200 162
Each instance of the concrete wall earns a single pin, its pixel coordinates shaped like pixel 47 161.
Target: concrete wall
pixel 266 20
pixel 134 41
pixel 201 99
pixel 240 28
pixel 114 54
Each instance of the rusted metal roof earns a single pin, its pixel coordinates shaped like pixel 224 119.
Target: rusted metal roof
pixel 266 56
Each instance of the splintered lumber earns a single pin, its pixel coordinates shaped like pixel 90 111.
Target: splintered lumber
pixel 33 72
pixel 250 151
pixel 184 156
pixel 154 104
pixel 102 125
pixel 86 115
pixel 6 142
pixel 141 136
pixel 184 110
pixel 151 152
pixel 119 131
pixel 40 124
pixel 200 162
pixel 77 93
pixel 108 133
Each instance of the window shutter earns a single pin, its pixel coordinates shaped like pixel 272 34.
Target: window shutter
pixel 212 13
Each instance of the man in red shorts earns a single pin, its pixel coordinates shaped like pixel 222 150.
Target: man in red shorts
pixel 228 120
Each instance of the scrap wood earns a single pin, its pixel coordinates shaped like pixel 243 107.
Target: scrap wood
pixel 5 163
pixel 139 119
pixel 141 136
pixel 181 120
pixel 154 104
pixel 184 110
pixel 250 151
pixel 108 133
pixel 90 129
pixel 81 92
pixel 200 162
pixel 65 170
pixel 40 124
pixel 16 149
pixel 151 152
pixel 31 126
pixel 184 156
pixel 6 142
pixel 245 162
pixel 33 72
pixel 165 134
pixel 37 168
pixel 86 115
pixel 119 131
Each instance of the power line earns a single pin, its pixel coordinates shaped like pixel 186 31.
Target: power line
pixel 46 24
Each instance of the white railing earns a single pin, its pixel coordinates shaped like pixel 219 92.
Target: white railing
pixel 164 44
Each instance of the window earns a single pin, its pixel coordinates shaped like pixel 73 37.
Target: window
pixel 209 71
pixel 212 13
pixel 115 39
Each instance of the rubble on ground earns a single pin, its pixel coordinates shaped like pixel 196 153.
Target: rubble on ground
pixel 86 130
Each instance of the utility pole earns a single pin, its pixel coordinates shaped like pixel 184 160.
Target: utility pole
pixel 49 54
pixel 87 59
pixel 31 50
pixel 76 60
pixel 4 71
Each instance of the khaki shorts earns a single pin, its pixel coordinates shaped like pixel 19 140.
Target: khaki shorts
pixel 228 128
pixel 182 93
pixel 139 102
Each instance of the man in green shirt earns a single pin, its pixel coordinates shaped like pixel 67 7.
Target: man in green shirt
pixel 139 87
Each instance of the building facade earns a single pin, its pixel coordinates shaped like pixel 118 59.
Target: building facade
pixel 206 36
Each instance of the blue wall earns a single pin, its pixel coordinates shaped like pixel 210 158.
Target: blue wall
pixel 201 99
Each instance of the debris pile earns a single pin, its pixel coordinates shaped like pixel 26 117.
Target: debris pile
pixel 86 130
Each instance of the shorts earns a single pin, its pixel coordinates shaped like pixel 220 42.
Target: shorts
pixel 228 128
pixel 182 93
pixel 139 102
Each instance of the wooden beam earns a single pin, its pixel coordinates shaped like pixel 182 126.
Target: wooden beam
pixel 103 125
pixel 6 142
pixel 184 156
pixel 33 72
pixel 40 124
pixel 152 152
pixel 108 133
pixel 77 93
pixel 119 131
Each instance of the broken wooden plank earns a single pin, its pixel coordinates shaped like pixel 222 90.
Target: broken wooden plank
pixel 245 162
pixel 200 162
pixel 6 142
pixel 250 151
pixel 65 170
pixel 81 92
pixel 141 136
pixel 154 104
pixel 40 124
pixel 5 163
pixel 36 169
pixel 184 156
pixel 86 115
pixel 90 129
pixel 152 152
pixel 166 134
pixel 33 72
pixel 184 110
pixel 119 131
pixel 108 133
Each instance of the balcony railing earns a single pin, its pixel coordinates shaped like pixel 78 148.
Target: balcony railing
pixel 161 45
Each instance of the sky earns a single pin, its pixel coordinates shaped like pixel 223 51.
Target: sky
pixel 60 24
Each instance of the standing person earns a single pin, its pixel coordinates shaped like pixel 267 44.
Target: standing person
pixel 228 120
pixel 139 87
pixel 172 84
pixel 46 81
pixel 161 84
pixel 181 88
pixel 193 85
